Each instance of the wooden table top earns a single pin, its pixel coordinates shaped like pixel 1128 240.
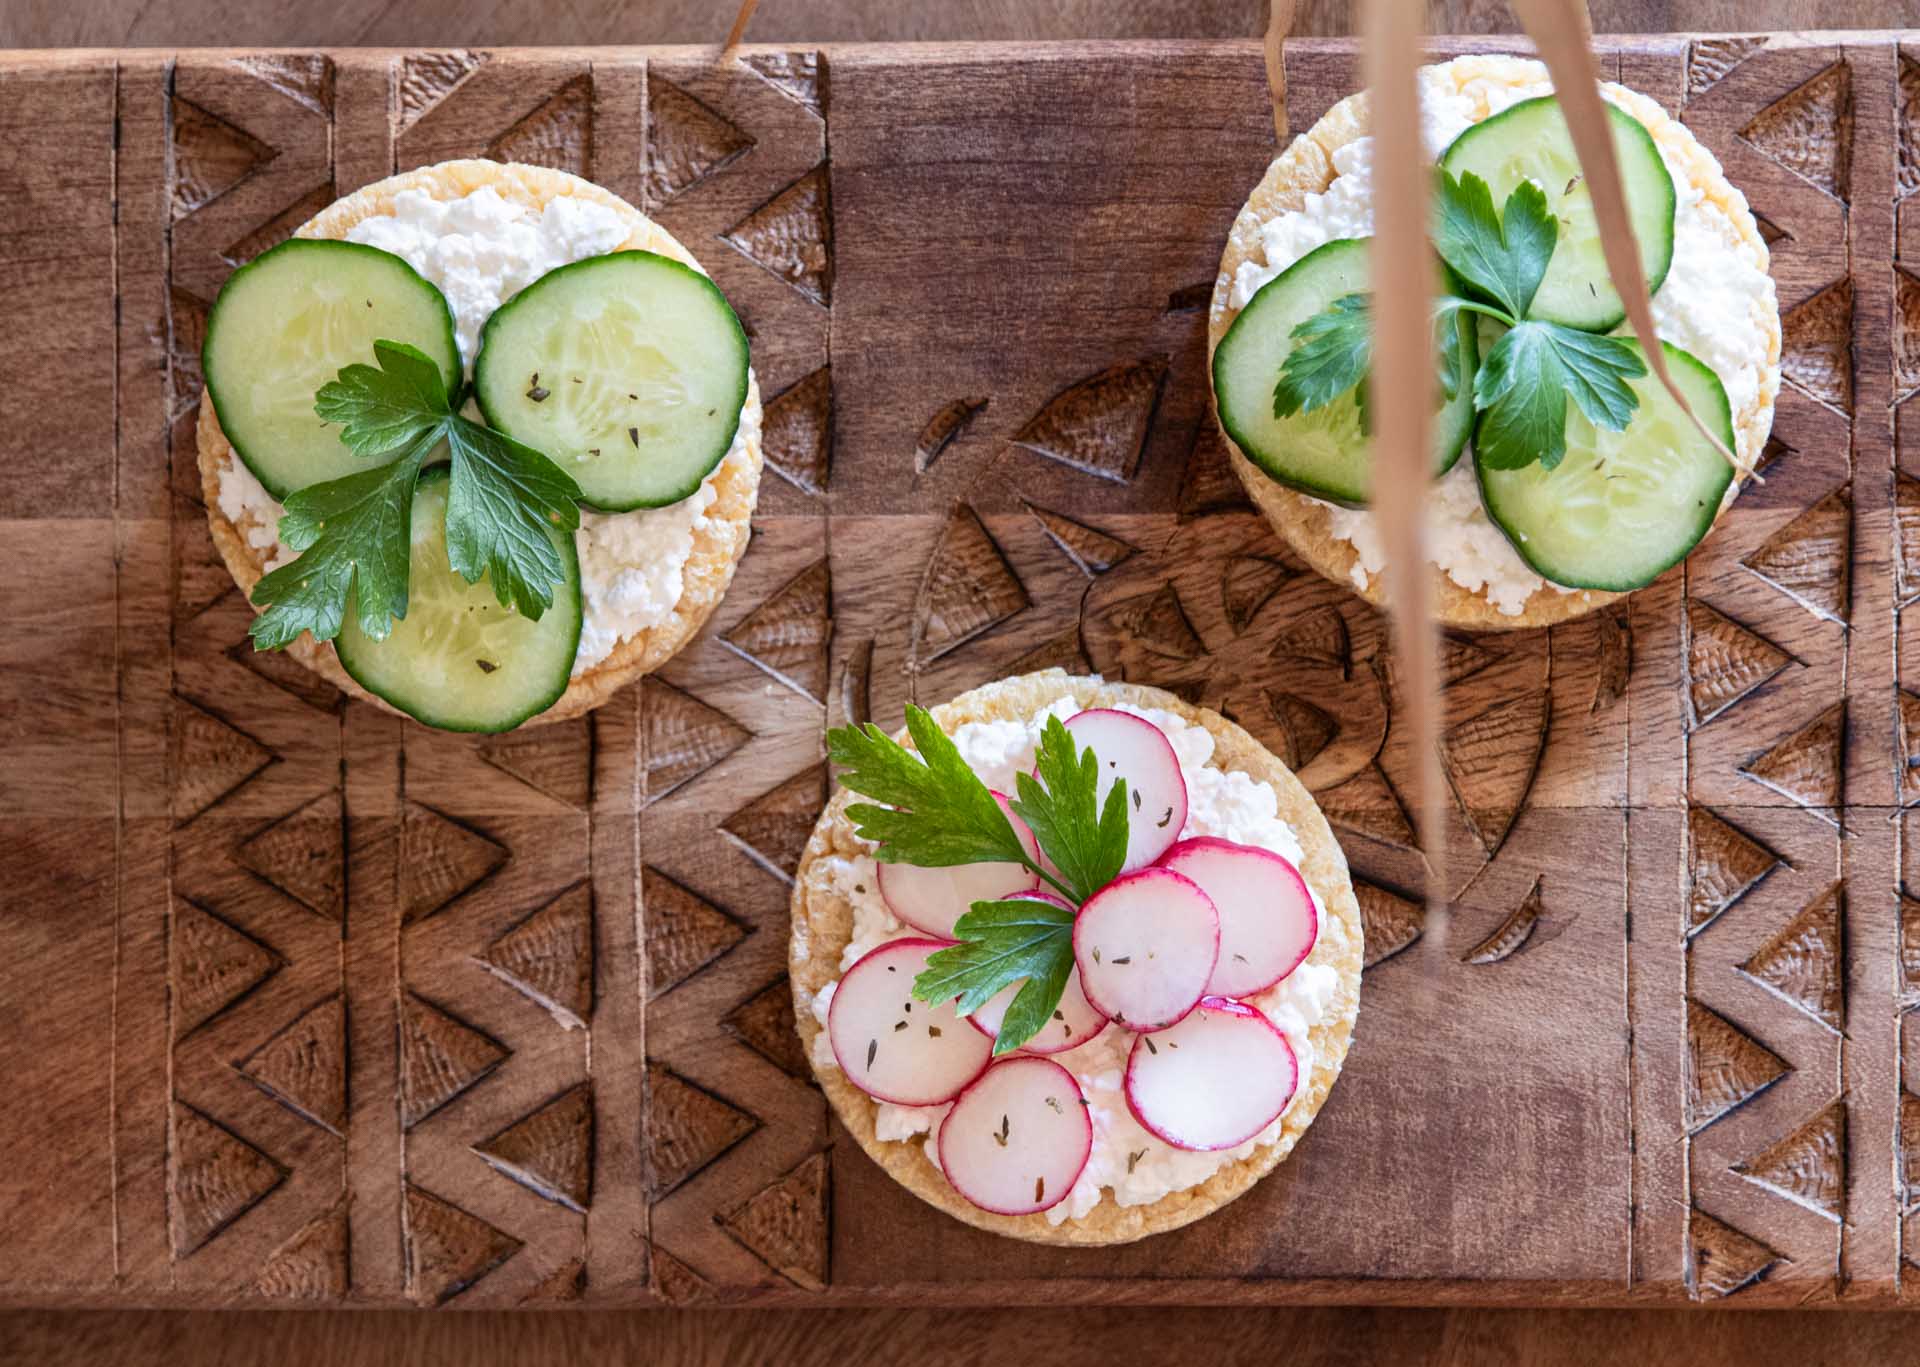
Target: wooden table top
pixel 993 527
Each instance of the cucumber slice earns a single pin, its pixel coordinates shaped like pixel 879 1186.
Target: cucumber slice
pixel 458 660
pixel 285 324
pixel 1530 142
pixel 1322 453
pixel 628 370
pixel 1622 507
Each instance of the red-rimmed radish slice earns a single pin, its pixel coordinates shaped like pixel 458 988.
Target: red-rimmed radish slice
pixel 1075 1021
pixel 1145 945
pixel 933 899
pixel 1267 919
pixel 1018 1137
pixel 893 1047
pixel 1213 1081
pixel 1135 749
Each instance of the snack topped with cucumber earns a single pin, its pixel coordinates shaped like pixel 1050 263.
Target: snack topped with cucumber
pixel 1585 477
pixel 452 551
pixel 1094 993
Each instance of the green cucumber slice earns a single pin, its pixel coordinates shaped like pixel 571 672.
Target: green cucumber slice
pixel 458 660
pixel 285 324
pixel 1322 453
pixel 1529 141
pixel 1622 507
pixel 628 370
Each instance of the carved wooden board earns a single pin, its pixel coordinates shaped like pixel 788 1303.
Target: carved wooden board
pixel 300 1002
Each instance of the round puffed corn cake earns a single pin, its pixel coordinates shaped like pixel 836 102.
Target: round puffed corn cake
pixel 1306 167
pixel 717 546
pixel 823 927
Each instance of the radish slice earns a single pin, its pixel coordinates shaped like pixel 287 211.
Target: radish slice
pixel 1145 945
pixel 892 1047
pixel 1213 1081
pixel 1075 1020
pixel 1267 919
pixel 1017 1139
pixel 933 899
pixel 1135 749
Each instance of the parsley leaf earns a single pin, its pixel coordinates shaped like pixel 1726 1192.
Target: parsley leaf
pixel 1523 386
pixel 382 410
pixel 1335 351
pixel 503 498
pixel 354 533
pixel 937 814
pixel 1086 842
pixel 1501 256
pixel 1003 943
pixel 354 536
pixel 1596 370
pixel 1449 345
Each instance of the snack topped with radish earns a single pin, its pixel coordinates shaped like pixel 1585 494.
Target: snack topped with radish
pixel 1073 965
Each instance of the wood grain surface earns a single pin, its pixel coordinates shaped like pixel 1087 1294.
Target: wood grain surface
pixel 1460 1336
pixel 502 23
pixel 1058 1337
pixel 395 1015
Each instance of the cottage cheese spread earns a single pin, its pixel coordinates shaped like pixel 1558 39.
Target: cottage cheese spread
pixel 481 250
pixel 1230 805
pixel 1714 303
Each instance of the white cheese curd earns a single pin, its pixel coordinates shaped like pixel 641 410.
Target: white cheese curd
pixel 1714 303
pixel 481 250
pixel 245 502
pixel 1126 1160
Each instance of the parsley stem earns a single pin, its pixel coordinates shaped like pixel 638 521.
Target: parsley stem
pixel 1065 891
pixel 1474 306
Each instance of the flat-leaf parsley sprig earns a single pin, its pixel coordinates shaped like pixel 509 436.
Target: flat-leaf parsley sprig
pixel 1496 261
pixel 354 533
pixel 930 809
